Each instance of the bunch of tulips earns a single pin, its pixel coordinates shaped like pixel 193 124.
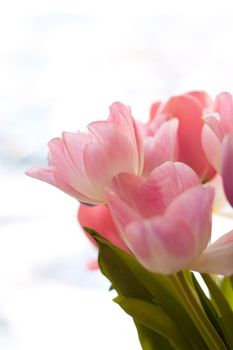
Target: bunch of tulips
pixel 147 193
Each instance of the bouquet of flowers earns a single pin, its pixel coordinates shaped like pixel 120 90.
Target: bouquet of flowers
pixel 147 194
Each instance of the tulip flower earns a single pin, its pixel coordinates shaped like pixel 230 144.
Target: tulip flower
pixel 165 220
pixel 188 109
pixel 82 164
pixel 217 139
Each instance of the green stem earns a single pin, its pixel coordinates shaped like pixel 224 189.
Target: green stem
pixel 197 314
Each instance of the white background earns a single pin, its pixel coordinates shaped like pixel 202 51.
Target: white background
pixel 61 66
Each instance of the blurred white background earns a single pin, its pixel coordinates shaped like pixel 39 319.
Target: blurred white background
pixel 61 66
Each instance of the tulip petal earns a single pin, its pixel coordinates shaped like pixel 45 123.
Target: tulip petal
pixel 67 171
pixel 217 258
pixel 213 121
pixel 162 147
pixel 48 174
pixel 161 245
pixel 194 208
pixel 203 98
pixel 151 196
pixel 227 167
pixel 224 106
pixel 189 113
pixel 122 213
pixel 166 244
pixel 212 147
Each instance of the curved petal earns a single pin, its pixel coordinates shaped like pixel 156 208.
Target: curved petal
pixel 121 116
pixel 99 219
pixel 166 244
pixel 194 209
pixel 161 245
pixel 122 213
pixel 212 147
pixel 151 196
pixel 203 98
pixel 49 175
pixel 119 135
pixel 189 113
pixel 162 147
pixel 227 167
pixel 66 170
pixel 213 121
pixel 224 106
pixel 217 258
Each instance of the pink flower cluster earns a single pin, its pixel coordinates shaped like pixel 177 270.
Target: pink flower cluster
pixel 146 180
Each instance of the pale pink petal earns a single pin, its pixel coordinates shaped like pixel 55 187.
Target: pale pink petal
pixel 75 144
pixel 103 162
pixel 224 106
pixel 217 258
pixel 212 147
pixel 151 196
pixel 163 185
pixel 167 244
pixel 162 147
pixel 119 135
pixel 121 116
pixel 121 212
pixel 161 245
pixel 67 171
pixel 213 121
pixel 127 186
pixel 49 175
pixel 227 167
pixel 194 209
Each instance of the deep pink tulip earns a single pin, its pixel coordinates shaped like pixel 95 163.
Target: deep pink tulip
pixel 165 220
pixel 99 219
pixel 217 139
pixel 188 109
pixel 82 164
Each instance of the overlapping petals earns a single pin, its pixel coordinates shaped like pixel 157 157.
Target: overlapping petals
pixel 165 220
pixel 82 164
pixel 161 147
pixel 217 139
pixel 188 109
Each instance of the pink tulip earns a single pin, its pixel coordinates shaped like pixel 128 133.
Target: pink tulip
pixel 99 219
pixel 82 164
pixel 165 220
pixel 188 109
pixel 217 139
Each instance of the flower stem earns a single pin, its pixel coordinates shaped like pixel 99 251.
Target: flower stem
pixel 196 312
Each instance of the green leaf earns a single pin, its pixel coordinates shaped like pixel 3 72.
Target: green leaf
pixel 223 307
pixel 227 289
pixel 130 279
pixel 154 317
pixel 150 340
pixel 209 308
